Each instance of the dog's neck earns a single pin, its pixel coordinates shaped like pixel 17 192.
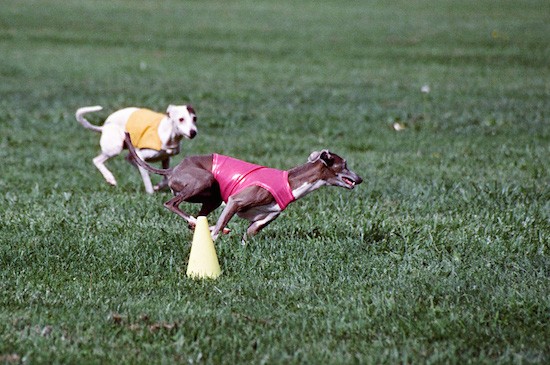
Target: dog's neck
pixel 305 178
pixel 167 133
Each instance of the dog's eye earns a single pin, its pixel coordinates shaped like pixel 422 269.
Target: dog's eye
pixel 181 119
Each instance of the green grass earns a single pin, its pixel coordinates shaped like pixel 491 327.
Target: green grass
pixel 441 256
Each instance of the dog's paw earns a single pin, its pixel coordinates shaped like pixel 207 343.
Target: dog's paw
pixel 160 187
pixel 192 223
pixel 111 181
pixel 224 231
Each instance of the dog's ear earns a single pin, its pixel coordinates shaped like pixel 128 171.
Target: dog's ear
pixel 170 109
pixel 326 158
pixel 314 156
pixel 323 155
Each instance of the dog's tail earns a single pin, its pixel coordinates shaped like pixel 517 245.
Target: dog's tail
pixel 80 117
pixel 139 161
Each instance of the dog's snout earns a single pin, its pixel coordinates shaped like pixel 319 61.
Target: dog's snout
pixel 192 134
pixel 359 180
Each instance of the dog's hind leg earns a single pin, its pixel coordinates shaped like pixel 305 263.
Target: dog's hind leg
pixel 173 206
pixel 99 162
pixel 194 185
pixel 111 143
pixel 209 207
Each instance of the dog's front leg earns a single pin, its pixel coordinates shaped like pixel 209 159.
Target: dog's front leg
pixel 146 154
pixel 232 207
pixel 207 208
pixel 146 180
pixel 163 184
pixel 247 199
pixel 257 225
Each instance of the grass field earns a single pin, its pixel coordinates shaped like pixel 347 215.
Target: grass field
pixel 440 256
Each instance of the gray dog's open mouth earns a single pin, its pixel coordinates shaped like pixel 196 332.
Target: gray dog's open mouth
pixel 350 182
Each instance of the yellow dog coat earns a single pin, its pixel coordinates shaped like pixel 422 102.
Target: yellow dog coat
pixel 143 127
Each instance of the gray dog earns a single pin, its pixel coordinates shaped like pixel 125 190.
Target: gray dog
pixel 256 193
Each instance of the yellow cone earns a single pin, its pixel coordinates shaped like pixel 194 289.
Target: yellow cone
pixel 203 261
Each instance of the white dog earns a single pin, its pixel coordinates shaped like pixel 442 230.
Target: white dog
pixel 156 136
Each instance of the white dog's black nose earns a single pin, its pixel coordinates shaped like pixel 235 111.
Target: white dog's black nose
pixel 192 134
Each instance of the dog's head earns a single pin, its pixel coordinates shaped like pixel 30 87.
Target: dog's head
pixel 184 120
pixel 334 169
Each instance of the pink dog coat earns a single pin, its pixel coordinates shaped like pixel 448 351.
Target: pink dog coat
pixel 234 175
